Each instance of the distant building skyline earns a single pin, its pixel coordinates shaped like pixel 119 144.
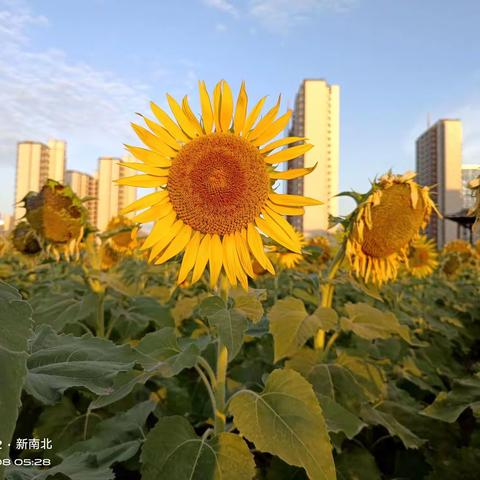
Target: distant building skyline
pixel 439 165
pixel 36 162
pixel 111 196
pixel 316 116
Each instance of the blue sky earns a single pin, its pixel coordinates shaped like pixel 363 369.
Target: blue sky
pixel 78 70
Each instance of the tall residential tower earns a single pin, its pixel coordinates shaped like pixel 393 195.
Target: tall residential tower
pixel 37 162
pixel 316 116
pixel 439 165
pixel 85 185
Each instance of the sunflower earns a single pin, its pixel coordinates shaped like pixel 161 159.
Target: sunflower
pixel 214 179
pixel 384 225
pixel 474 185
pixel 121 235
pixel 25 240
pixel 285 258
pixel 423 257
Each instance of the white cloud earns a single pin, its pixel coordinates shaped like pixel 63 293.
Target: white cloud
pixel 223 5
pixel 281 15
pixel 44 93
pixel 220 27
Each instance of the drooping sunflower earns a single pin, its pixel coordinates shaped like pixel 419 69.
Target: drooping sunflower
pixel 119 240
pixel 474 185
pixel 214 179
pixel 423 257
pixel 385 223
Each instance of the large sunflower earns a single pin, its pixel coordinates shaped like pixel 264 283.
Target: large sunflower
pixel 423 257
pixel 382 228
pixel 214 178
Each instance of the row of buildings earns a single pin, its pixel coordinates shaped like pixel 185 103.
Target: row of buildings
pixel 316 116
pixel 37 162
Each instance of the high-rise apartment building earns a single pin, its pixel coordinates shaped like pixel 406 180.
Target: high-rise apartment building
pixel 37 162
pixel 85 185
pixel 439 164
pixel 112 197
pixel 316 116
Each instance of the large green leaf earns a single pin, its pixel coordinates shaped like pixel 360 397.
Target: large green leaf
pixel 161 351
pixel 58 362
pixel 370 323
pixel 116 439
pixel 251 306
pixel 230 323
pixel 291 326
pixel 286 420
pixel 357 463
pixel 448 406
pixel 15 329
pixel 173 451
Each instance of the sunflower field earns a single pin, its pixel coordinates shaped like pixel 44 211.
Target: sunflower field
pixel 218 342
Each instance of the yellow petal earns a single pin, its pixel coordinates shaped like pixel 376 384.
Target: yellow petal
pixel 253 115
pixel 155 213
pixel 275 232
pixel 181 118
pixel 152 141
pixel 150 158
pixel 165 239
pixel 145 181
pixel 158 231
pixel 226 107
pixel 202 258
pixel 207 113
pixel 216 259
pixel 273 217
pixel 217 98
pixel 161 133
pixel 280 143
pixel 172 128
pixel 146 201
pixel 189 257
pixel 256 247
pixel 265 122
pixel 284 209
pixel 191 116
pixel 158 172
pixel 240 110
pixel 292 173
pixel 243 254
pixel 274 129
pixel 177 244
pixel 228 259
pixel 288 154
pixel 293 200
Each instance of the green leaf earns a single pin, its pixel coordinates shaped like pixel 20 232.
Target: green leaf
pixel 231 324
pixel 250 306
pixel 76 467
pixel 58 362
pixel 375 416
pixel 116 439
pixel 286 420
pixel 448 406
pixel 15 329
pixel 291 326
pixel 357 463
pixel 370 323
pixel 160 351
pixel 339 419
pixel 173 451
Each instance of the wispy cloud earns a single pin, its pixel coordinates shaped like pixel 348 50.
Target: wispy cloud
pixel 280 16
pixel 223 5
pixel 44 93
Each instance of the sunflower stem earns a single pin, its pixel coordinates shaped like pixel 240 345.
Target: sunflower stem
pixel 100 314
pixel 222 364
pixel 327 290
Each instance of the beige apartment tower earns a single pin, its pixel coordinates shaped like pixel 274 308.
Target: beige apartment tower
pixel 316 116
pixel 112 197
pixel 439 164
pixel 37 162
pixel 84 185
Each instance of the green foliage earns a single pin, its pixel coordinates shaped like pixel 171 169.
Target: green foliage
pixel 395 393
